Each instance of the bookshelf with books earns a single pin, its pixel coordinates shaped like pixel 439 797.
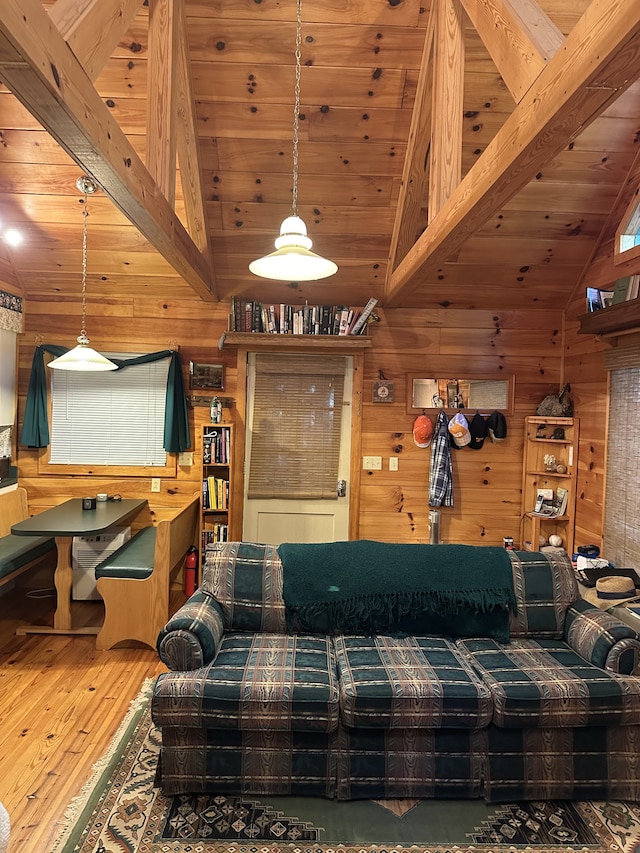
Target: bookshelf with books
pixel 217 477
pixel 549 481
pixel 281 319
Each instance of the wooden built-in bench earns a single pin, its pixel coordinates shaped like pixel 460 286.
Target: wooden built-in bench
pixel 135 580
pixel 19 553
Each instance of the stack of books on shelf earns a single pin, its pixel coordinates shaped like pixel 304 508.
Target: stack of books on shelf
pixel 623 290
pixel 216 446
pixel 219 532
pixel 215 493
pixel 550 504
pixel 281 319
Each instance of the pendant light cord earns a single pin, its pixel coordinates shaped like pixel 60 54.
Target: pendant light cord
pixel 85 215
pixel 296 108
pixel 86 186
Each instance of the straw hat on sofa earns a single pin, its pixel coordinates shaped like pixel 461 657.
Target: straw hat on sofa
pixel 610 590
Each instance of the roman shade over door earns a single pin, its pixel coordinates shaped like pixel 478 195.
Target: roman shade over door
pixel 298 437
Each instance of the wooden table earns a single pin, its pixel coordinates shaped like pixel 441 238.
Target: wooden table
pixel 63 522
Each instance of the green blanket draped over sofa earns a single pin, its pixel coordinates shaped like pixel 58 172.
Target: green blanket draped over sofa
pixel 366 586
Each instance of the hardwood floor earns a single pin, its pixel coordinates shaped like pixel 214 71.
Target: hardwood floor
pixel 61 702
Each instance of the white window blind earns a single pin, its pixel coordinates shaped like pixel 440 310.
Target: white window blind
pixel 110 418
pixel 297 414
pixel 622 491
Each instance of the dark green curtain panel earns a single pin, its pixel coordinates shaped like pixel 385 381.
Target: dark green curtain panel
pixel 35 427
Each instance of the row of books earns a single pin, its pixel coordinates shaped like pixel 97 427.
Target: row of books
pixel 281 319
pixel 216 446
pixel 219 532
pixel 624 289
pixel 215 493
pixel 550 504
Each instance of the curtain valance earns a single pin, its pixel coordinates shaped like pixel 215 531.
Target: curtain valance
pixel 35 427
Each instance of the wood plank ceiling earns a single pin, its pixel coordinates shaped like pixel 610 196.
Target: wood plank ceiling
pixel 453 152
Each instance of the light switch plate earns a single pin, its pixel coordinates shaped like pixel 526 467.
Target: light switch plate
pixel 372 463
pixel 185 458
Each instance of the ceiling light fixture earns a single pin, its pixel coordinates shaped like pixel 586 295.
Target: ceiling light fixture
pixel 293 260
pixel 12 237
pixel 83 357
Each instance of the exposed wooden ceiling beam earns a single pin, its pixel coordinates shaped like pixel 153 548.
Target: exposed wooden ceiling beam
pixel 161 94
pixel 93 28
pixel 598 61
pixel 415 169
pixel 43 73
pixel 188 145
pixel 445 168
pixel 519 36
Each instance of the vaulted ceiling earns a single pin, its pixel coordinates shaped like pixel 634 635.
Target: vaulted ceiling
pixel 471 153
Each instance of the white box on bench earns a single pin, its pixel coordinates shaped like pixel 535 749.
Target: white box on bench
pixel 87 552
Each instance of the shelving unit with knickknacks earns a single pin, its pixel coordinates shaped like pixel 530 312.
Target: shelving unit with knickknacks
pixel 549 471
pixel 217 479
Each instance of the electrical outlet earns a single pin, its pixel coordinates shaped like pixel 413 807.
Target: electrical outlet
pixel 393 463
pixel 155 484
pixel 372 463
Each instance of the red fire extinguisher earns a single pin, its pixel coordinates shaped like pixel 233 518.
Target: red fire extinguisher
pixel 190 570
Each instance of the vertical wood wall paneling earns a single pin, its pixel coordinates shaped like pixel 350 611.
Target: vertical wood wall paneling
pixel 590 393
pixel 487 482
pixel 393 504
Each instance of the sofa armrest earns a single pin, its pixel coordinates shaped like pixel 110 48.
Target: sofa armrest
pixel 601 638
pixel 190 639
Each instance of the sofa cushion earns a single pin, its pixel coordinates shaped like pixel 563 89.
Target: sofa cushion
pixel 545 683
pixel 270 682
pixel 545 586
pixel 246 580
pixel 408 682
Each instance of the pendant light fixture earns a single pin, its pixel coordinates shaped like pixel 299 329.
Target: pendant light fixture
pixel 83 357
pixel 293 260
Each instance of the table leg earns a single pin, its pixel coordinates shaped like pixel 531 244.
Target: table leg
pixel 63 580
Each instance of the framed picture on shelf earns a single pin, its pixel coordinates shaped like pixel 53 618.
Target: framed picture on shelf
pixel 207 376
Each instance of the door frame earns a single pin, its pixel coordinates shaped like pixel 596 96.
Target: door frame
pixel 356 427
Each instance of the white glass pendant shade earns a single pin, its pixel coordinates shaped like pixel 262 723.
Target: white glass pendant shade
pixel 82 357
pixel 293 260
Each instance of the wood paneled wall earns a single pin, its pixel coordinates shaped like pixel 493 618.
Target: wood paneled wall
pixel 443 342
pixel 487 482
pixel 589 390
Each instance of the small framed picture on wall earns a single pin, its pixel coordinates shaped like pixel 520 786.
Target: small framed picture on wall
pixel 207 376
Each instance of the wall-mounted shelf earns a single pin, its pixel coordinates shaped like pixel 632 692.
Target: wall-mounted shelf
pixel 616 319
pixel 260 340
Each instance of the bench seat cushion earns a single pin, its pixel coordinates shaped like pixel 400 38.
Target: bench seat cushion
pixel 545 684
pixel 133 560
pixel 262 681
pixel 409 683
pixel 17 551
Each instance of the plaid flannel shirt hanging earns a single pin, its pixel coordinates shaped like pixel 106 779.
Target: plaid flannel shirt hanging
pixel 440 474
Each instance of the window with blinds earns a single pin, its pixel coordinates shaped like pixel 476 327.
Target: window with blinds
pixel 295 434
pixel 622 494
pixel 110 418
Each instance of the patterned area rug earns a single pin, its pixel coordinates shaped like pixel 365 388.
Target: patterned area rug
pixel 120 811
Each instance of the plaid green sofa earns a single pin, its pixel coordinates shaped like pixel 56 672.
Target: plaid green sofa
pixel 248 707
